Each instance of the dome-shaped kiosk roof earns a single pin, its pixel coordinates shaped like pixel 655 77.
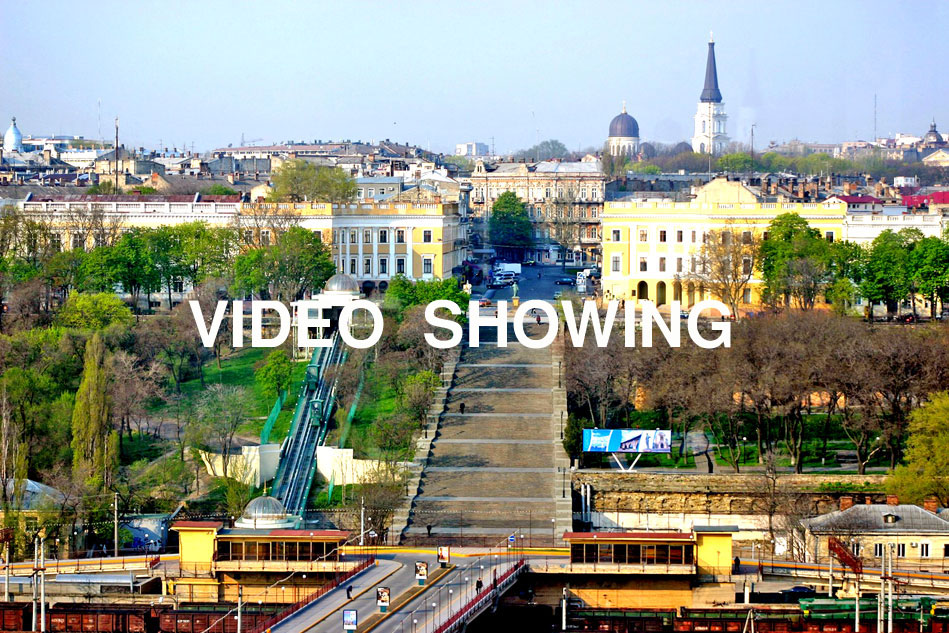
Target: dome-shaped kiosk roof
pixel 624 125
pixel 265 512
pixel 341 282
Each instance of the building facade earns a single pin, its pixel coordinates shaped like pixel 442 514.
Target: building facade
pixel 472 149
pixel 564 201
pixel 652 249
pixel 710 135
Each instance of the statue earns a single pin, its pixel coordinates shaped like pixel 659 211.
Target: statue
pixel 514 288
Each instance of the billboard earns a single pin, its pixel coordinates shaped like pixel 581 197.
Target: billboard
pixel 382 596
pixel 421 570
pixel 444 554
pixel 626 441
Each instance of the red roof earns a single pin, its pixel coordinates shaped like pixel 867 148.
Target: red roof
pixel 628 536
pixel 859 199
pixel 937 197
pixel 210 525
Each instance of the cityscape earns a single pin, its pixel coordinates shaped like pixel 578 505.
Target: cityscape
pixel 495 317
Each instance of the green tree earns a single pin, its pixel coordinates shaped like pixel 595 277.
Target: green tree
pixel 129 263
pixel 545 150
pixel 573 436
pixel 297 180
pixel 509 226
pixel 166 253
pixel 404 293
pixel 735 162
pixel 95 453
pixel 929 263
pixel 104 188
pixel 94 311
pixel 274 375
pixel 795 261
pixel 418 393
pixel 218 190
pixel 926 471
pixel 298 263
pixel 887 278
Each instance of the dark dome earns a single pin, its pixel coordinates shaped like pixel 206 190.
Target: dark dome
pixel 932 136
pixel 624 125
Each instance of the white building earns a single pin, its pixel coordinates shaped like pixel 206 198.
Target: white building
pixel 471 149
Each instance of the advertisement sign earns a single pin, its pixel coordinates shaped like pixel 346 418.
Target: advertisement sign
pixel 382 596
pixel 421 570
pixel 349 620
pixel 444 554
pixel 626 441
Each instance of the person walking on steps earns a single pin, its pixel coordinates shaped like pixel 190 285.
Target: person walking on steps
pixel 461 408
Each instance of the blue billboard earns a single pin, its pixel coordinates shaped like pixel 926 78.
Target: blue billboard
pixel 626 441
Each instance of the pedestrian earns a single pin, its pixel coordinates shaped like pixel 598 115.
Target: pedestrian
pixel 461 408
pixel 538 319
pixel 429 528
pixel 538 275
pixel 479 585
pixel 495 313
pixel 737 565
pixel 349 592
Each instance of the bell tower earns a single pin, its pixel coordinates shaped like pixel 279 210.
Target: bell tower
pixel 709 135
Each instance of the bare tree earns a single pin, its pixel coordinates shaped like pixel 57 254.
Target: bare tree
pixel 563 220
pixel 726 263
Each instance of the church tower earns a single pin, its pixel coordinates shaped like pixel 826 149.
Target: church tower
pixel 709 136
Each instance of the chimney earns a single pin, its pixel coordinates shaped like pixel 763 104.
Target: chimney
pixel 846 503
pixel 47 155
pixel 931 504
pixel 892 500
pixel 230 178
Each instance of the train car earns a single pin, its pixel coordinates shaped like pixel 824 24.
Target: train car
pixel 621 620
pixel 766 619
pixel 95 618
pixel 15 616
pixel 199 621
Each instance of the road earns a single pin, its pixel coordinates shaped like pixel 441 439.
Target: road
pixel 397 571
pixel 530 287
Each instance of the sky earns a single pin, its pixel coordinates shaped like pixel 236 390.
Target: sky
pixel 438 73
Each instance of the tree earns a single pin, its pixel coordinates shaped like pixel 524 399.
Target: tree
pixel 727 262
pixel 297 180
pixel 886 274
pixel 219 190
pixel 403 293
pixel 545 150
pixel 795 262
pixel 418 394
pixel 564 222
pixel 130 264
pixel 274 375
pixel 929 263
pixel 223 409
pixel 300 262
pixel 166 253
pixel 94 456
pixel 926 471
pixel 509 226
pixel 94 311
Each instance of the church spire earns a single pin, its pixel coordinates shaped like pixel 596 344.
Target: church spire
pixel 711 93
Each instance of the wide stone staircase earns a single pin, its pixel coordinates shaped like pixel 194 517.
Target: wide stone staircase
pixel 499 468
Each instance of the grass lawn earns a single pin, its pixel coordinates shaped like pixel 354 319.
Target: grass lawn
pixel 378 401
pixel 238 370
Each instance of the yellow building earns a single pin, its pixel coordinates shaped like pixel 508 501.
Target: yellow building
pixel 372 242
pixel 650 569
pixel 651 248
pixel 270 564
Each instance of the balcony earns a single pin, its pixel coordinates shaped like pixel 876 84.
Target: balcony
pixel 285 566
pixel 681 569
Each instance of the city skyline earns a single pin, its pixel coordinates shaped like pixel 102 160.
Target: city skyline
pixel 206 75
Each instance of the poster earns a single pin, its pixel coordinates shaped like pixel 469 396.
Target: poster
pixel 444 554
pixel 421 570
pixel 382 596
pixel 349 620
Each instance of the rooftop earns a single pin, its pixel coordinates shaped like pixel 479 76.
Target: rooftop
pixel 872 518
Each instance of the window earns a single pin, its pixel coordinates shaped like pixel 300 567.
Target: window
pixel 662 264
pixel 662 236
pixel 616 263
pixel 265 238
pixel 427 236
pixel 360 192
pixel 372 192
pixel 616 234
pixel 384 266
pixel 878 550
pixel 367 236
pixel 746 237
pixel 855 548
pixel 679 236
pixel 901 550
pixel 692 265
pixel 400 236
pixel 765 235
pixel 924 550
pixel 178 286
pixel 829 235
pixel 248 237
pixel 352 266
pixel 746 266
pixel 693 237
pixel 945 550
pixel 367 266
pixel 353 237
pixel 383 236
pixel 643 235
pixel 678 264
pixel 400 266
pixel 746 296
pixel 642 264
pixel 427 266
pixel 56 242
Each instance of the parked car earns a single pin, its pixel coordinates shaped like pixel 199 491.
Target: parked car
pixel 565 281
pixel 484 303
pixel 494 284
pixel 528 262
pixel 558 295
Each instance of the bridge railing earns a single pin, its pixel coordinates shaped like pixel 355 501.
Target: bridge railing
pixel 458 619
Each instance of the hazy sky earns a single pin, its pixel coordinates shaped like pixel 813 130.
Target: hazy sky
pixel 437 73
